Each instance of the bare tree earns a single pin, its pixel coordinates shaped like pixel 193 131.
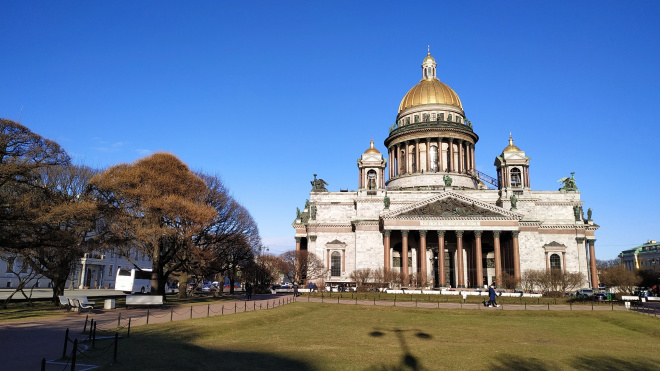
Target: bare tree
pixel 303 266
pixel 361 277
pixel 619 277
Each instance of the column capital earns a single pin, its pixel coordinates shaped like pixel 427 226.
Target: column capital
pixel 591 241
pixel 459 234
pixel 477 234
pixel 298 239
pixel 515 234
pixel 579 239
pixel 416 140
pixel 441 233
pixel 422 233
pixel 387 232
pixel 404 233
pixel 312 238
pixel 496 234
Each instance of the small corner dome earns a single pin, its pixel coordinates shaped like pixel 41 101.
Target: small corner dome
pixel 371 149
pixel 511 147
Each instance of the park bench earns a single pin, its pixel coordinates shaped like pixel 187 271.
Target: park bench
pixel 79 306
pixel 143 300
pixel 64 302
pixel 82 299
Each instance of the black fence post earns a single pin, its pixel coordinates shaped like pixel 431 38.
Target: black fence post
pixel 91 327
pixel 43 364
pixel 128 334
pixel 119 320
pixel 191 311
pixel 147 316
pixel 73 354
pixel 234 307
pixel 94 335
pixel 223 310
pixel 208 310
pixel 245 307
pixel 85 327
pixel 171 314
pixel 66 341
pixel 116 342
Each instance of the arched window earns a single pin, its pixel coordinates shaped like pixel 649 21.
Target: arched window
pixel 434 158
pixel 371 179
pixel 515 178
pixel 555 261
pixel 335 264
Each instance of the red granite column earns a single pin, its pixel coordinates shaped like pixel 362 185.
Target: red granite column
pixel 386 250
pixel 498 259
pixel 459 261
pixel 422 256
pixel 441 259
pixel 592 263
pixel 478 259
pixel 297 243
pixel 516 259
pixel 428 154
pixel 404 256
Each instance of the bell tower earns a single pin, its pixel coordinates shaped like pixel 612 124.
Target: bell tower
pixel 512 169
pixel 371 166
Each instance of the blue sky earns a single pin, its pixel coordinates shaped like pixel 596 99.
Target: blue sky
pixel 265 94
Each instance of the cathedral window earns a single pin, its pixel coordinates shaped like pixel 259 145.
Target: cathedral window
pixel 433 116
pixel 441 116
pixel 408 120
pixel 335 264
pixel 425 117
pixel 371 179
pixel 555 261
pixel 449 117
pixel 416 118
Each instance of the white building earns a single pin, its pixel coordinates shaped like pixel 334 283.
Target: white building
pixel 426 193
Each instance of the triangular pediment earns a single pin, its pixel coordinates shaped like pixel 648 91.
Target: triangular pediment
pixel 450 205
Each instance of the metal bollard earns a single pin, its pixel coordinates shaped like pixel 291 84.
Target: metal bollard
pixel 119 320
pixel 171 313
pixel 91 327
pixel 66 341
pixel 128 334
pixel 147 316
pixel 94 336
pixel 191 312
pixel 73 354
pixel 116 342
pixel 85 327
pixel 208 310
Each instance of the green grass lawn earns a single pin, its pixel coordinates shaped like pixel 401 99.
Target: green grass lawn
pixel 315 336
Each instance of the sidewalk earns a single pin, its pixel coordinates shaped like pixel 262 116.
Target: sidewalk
pixel 25 343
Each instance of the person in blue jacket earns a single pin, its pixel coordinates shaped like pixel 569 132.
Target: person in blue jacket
pixel 492 296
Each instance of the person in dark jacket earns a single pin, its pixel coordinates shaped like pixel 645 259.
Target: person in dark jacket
pixel 492 296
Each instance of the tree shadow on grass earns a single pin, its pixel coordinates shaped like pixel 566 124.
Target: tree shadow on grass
pixel 594 363
pixel 155 352
pixel 408 360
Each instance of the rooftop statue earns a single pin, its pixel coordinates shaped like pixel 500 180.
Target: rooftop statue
pixel 589 214
pixel 318 185
pixel 514 202
pixel 569 183
pixel 447 180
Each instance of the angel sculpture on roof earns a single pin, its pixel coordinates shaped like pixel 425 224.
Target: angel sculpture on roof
pixel 568 183
pixel 318 185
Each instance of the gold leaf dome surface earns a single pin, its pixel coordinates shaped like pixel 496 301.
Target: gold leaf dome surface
pixel 430 91
pixel 371 149
pixel 511 147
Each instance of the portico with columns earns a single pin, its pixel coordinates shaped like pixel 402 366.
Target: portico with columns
pixel 423 214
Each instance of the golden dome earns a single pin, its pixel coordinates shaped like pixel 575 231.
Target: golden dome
pixel 428 58
pixel 371 149
pixel 430 91
pixel 511 147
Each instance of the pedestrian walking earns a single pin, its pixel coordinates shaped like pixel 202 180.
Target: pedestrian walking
pixel 492 296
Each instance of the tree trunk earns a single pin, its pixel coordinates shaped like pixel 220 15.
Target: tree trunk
pixel 58 288
pixel 183 285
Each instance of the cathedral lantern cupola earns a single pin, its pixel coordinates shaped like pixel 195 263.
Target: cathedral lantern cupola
pixel 512 168
pixel 431 144
pixel 371 166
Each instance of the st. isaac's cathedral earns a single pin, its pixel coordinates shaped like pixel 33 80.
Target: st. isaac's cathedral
pixel 424 212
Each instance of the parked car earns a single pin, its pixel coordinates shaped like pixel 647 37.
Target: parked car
pixel 603 296
pixel 584 293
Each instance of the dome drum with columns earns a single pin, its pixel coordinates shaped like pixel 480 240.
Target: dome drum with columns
pixel 423 214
